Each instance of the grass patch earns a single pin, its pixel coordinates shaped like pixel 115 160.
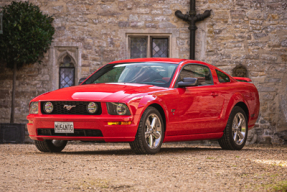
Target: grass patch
pixel 279 186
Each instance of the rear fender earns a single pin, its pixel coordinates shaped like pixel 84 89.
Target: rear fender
pixel 236 98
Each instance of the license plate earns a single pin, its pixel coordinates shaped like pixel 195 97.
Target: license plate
pixel 64 127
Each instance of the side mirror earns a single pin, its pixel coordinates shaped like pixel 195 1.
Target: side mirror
pixel 81 80
pixel 188 82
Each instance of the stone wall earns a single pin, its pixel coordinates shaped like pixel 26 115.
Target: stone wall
pixel 248 32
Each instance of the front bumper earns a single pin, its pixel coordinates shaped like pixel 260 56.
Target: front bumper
pixel 110 133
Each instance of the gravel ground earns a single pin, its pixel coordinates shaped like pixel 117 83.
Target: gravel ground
pixel 113 167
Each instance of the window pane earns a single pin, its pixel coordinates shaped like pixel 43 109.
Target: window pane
pixel 67 77
pixel 222 78
pixel 202 73
pixel 159 47
pixel 138 47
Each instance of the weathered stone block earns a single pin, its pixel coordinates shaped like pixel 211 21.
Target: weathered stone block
pixel 161 18
pixel 156 12
pixel 133 17
pixel 137 24
pixel 269 57
pixel 221 16
pixel 4 94
pixel 284 43
pixel 142 10
pixel 237 14
pixel 259 35
pixel 166 25
pixel 129 5
pixel 274 6
pixel 151 25
pixel 284 58
pixel 266 89
pixel 122 24
pixel 145 18
pixel 255 14
pixel 167 12
pixel 273 80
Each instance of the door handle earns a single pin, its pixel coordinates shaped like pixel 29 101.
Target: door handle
pixel 214 94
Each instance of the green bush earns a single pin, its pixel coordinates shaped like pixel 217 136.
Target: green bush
pixel 27 34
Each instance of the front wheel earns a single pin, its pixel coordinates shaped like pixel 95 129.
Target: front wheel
pixel 235 134
pixel 150 132
pixel 55 146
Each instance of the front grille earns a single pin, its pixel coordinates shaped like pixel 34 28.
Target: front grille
pixel 77 133
pixel 80 109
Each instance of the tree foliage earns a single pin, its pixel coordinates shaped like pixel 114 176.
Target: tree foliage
pixel 27 34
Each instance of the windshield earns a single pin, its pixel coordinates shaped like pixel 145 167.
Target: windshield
pixel 159 74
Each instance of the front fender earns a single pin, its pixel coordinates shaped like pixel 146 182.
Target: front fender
pixel 147 101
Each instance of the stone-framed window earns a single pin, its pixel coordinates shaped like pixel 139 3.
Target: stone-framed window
pixel 65 57
pixel 66 72
pixel 149 45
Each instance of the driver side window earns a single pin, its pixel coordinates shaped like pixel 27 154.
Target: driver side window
pixel 201 72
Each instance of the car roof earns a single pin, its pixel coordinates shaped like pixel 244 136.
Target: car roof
pixel 162 60
pixel 139 60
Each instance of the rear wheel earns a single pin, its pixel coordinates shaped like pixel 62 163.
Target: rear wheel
pixel 149 136
pixel 235 134
pixel 51 145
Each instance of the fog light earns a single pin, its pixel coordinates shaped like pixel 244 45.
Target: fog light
pixel 48 107
pixel 92 107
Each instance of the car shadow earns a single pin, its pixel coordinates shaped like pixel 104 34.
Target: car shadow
pixel 165 150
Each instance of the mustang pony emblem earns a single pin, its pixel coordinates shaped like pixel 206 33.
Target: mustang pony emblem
pixel 69 107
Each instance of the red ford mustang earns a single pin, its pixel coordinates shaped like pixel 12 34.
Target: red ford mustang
pixel 147 102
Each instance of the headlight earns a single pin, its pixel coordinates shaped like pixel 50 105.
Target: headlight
pixel 33 108
pixel 92 107
pixel 118 109
pixel 48 107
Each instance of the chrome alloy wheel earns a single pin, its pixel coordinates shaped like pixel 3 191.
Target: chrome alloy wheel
pixel 239 128
pixel 58 143
pixel 153 131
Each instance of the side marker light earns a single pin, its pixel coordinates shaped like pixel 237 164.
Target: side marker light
pixel 120 123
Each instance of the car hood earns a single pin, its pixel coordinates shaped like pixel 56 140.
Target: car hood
pixel 107 92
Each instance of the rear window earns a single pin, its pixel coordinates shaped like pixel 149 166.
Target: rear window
pixel 222 78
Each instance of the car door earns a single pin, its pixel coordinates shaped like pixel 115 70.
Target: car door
pixel 197 108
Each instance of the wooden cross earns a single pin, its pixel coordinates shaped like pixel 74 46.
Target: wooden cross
pixel 192 18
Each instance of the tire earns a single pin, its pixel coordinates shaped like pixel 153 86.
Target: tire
pixel 55 146
pixel 147 140
pixel 232 139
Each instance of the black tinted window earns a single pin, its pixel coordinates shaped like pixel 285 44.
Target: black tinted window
pixel 201 72
pixel 222 78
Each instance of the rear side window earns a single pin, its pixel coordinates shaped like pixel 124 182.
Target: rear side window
pixel 222 78
pixel 201 72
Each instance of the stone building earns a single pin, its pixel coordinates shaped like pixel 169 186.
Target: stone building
pixel 91 33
